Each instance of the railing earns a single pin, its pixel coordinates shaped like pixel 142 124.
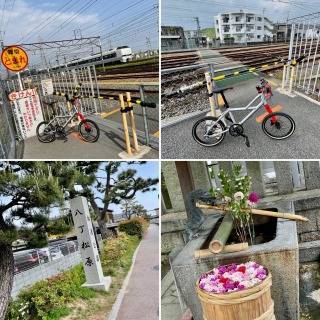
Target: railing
pixel 29 259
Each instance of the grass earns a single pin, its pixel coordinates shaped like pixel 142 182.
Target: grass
pixel 116 261
pixel 131 64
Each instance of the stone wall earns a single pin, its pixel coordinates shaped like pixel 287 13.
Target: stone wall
pixel 27 278
pixel 309 208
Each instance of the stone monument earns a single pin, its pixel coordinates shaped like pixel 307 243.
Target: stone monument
pixel 88 246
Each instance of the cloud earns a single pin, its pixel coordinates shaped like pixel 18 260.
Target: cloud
pixel 27 15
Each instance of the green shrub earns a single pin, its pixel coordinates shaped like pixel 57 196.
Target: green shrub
pixel 47 299
pixel 117 253
pixel 133 227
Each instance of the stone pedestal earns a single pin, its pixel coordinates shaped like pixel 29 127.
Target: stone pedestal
pixel 172 182
pixel 200 175
pixel 283 176
pixel 254 171
pixel 311 174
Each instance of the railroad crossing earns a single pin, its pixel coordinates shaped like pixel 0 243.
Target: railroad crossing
pixel 303 143
pixel 100 92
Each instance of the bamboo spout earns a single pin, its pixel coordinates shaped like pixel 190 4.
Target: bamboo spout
pixel 283 215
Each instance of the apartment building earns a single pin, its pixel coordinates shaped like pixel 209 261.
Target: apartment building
pixel 243 27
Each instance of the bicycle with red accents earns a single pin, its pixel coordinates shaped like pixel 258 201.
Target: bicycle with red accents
pixel 48 131
pixel 210 131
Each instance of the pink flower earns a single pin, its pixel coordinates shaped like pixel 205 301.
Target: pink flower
pixel 253 197
pixel 232 277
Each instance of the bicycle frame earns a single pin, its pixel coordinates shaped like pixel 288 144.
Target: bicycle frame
pixel 263 102
pixel 74 112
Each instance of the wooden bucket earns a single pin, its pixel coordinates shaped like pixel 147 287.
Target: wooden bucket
pixel 254 303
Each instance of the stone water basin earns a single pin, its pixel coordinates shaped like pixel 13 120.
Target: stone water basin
pixel 280 255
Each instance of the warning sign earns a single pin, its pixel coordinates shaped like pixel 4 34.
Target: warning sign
pixel 47 87
pixel 14 58
pixel 27 111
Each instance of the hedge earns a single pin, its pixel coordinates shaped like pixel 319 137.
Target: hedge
pixel 133 227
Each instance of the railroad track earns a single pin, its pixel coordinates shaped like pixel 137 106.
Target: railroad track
pixel 130 76
pixel 249 57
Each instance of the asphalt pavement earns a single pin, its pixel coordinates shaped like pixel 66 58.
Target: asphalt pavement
pixel 141 300
pixel 110 144
pixel 177 141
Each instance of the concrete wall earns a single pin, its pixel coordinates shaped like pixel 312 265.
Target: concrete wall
pixel 44 271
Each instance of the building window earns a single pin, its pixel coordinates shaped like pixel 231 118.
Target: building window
pixel 259 28
pixel 238 28
pixel 217 21
pixel 238 19
pixel 258 37
pixel 259 19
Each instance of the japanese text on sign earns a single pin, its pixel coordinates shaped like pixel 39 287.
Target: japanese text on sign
pixel 27 111
pixel 14 58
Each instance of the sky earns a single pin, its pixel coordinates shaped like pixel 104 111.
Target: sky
pixel 117 22
pixel 182 12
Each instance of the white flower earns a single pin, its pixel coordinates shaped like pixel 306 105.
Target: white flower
pixel 227 199
pixel 238 196
pixel 250 204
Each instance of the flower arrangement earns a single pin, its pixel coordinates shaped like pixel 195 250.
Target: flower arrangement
pixel 235 195
pixel 233 277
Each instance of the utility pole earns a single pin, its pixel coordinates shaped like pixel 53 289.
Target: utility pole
pixel 196 19
pixel 2 48
pixel 148 43
pixel 43 55
pixel 263 25
pixel 77 33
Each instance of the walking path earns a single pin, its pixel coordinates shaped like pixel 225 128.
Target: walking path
pixel 141 298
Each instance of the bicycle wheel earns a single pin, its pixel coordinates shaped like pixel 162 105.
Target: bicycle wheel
pixel 45 132
pixel 205 136
pixel 278 125
pixel 89 130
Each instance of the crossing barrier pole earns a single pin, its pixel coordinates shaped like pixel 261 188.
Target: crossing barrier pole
pixel 215 97
pixel 125 124
pixel 132 122
pixel 284 77
pixel 210 91
pixel 293 70
pixel 144 114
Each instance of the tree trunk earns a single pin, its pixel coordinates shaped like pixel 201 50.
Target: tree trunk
pixel 105 232
pixel 6 277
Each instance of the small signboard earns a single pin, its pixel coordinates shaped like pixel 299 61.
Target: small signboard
pixel 47 87
pixel 14 58
pixel 27 111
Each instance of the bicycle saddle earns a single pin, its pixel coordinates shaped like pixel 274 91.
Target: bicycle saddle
pixel 220 90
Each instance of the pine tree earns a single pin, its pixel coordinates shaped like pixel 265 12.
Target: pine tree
pixel 115 184
pixel 27 189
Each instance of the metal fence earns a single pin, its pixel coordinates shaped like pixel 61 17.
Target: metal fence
pixel 29 259
pixel 304 41
pixel 7 128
